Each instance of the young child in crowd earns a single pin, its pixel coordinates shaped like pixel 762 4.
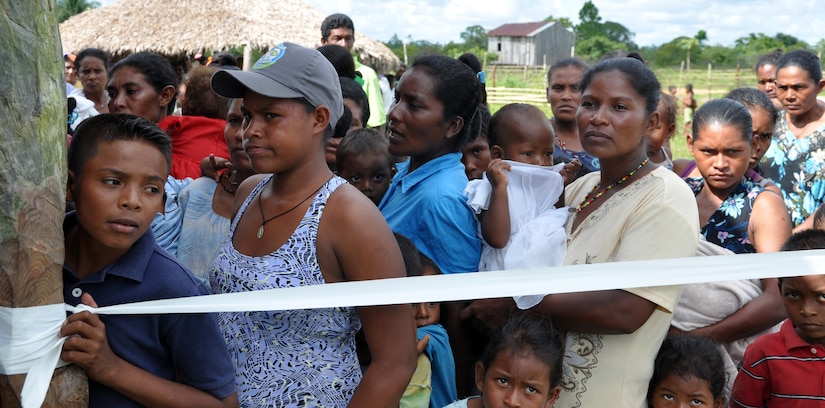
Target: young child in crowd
pixel 521 366
pixel 118 164
pixel 658 147
pixel 364 160
pixel 516 200
pixel 782 369
pixel 688 371
pixel 433 383
pixel 689 105
pixel 476 153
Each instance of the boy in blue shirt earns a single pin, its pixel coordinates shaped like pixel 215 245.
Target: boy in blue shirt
pixel 118 165
pixel 433 383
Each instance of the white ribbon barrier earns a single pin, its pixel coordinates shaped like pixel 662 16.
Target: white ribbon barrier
pixel 518 282
pixel 521 282
pixel 30 343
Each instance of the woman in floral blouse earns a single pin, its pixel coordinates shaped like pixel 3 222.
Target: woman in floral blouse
pixel 796 158
pixel 737 213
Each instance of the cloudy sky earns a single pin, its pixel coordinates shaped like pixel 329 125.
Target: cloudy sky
pixel 653 21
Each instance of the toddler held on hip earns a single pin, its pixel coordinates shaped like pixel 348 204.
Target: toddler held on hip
pixel 518 200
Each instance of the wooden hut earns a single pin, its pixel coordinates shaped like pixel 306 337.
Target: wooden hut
pixel 178 29
pixel 541 43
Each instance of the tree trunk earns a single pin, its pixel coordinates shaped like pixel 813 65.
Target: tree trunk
pixel 33 179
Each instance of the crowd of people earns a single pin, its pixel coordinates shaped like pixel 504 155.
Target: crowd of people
pixel 308 169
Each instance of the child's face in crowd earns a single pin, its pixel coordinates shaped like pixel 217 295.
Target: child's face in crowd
pixel 722 154
pixel 279 134
pixel 662 131
pixel 130 92
pixel 430 312
pixel 234 136
pixel 516 380
pixel 371 173
pixel 804 299
pixel 762 132
pixel 118 193
pixel 476 157
pixel 427 313
pixel 675 392
pixel 529 140
pixel 355 108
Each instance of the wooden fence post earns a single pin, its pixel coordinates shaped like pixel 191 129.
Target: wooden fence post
pixel 33 180
pixel 710 87
pixel 738 78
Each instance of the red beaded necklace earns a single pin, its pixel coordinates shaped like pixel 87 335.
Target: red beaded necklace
pixel 588 199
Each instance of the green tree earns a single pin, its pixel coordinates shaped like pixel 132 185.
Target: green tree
pixel 759 43
pixel 820 47
pixel 721 56
pixel 475 37
pixel 689 43
pixel 592 48
pixel 590 22
pixel 561 20
pixel 666 55
pixel 594 37
pixel 68 8
pixel 394 42
pixel 620 34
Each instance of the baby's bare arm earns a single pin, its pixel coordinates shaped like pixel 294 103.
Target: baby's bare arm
pixel 495 222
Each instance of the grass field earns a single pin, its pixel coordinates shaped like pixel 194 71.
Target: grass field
pixel 528 85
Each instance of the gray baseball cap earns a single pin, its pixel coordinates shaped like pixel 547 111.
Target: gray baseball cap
pixel 287 71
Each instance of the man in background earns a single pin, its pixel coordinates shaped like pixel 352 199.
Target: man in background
pixel 338 29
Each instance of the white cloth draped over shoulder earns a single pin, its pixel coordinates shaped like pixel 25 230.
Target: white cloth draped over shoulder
pixel 705 304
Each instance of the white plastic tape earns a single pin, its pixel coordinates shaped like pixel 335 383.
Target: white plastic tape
pixel 537 281
pixel 519 282
pixel 30 343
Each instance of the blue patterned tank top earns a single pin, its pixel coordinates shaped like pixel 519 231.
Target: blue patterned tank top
pixel 291 358
pixel 728 225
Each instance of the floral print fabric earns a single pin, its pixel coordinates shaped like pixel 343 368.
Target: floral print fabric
pixel 797 166
pixel 728 226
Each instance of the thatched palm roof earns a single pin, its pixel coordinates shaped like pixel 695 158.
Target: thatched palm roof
pixel 177 27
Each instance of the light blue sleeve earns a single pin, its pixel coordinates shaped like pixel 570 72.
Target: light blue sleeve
pixel 167 226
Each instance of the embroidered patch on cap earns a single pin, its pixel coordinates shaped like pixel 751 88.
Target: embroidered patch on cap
pixel 271 57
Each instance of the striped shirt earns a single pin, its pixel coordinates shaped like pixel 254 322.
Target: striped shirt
pixel 781 370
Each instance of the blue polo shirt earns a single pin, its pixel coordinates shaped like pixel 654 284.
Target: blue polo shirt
pixel 186 348
pixel 428 207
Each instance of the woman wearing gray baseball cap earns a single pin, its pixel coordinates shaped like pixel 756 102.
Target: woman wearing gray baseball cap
pixel 279 238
